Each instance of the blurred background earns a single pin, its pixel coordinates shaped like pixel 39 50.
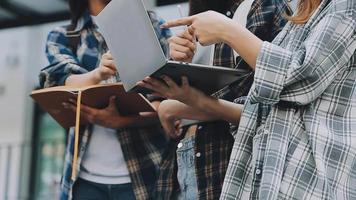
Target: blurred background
pixel 32 144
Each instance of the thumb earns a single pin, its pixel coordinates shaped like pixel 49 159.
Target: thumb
pixel 112 103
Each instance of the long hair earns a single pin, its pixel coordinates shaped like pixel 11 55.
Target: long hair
pixel 77 9
pixel 305 10
pixel 198 6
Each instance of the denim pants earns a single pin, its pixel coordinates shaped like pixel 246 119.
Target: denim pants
pixel 186 170
pixel 86 190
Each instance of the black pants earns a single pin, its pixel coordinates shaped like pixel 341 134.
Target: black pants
pixel 86 190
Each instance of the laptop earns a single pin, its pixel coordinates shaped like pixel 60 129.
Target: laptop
pixel 130 36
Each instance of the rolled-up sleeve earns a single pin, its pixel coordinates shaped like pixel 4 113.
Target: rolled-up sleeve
pixel 62 61
pixel 303 75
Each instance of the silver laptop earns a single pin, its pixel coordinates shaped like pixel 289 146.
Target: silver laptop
pixel 130 36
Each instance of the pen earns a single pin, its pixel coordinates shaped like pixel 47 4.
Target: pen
pixel 180 10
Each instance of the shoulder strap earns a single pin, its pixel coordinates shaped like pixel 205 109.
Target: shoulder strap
pixel 73 37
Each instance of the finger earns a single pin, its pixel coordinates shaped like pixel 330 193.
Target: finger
pixel 69 106
pixel 112 103
pixel 191 30
pixel 88 110
pixel 189 50
pixel 107 71
pixel 169 82
pixel 178 56
pixel 145 85
pixel 107 56
pixel 183 42
pixel 151 87
pixel 109 64
pixel 186 21
pixel 187 35
pixel 185 81
pixel 160 86
pixel 72 101
pixel 158 95
pixel 177 124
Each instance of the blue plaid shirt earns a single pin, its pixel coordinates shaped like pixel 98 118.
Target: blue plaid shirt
pixel 141 147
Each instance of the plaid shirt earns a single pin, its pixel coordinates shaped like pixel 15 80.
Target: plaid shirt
pixel 213 139
pixel 297 135
pixel 142 147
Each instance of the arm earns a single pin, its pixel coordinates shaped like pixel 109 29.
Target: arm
pixel 302 76
pixel 214 108
pixel 174 110
pixel 282 75
pixel 171 111
pixel 106 69
pixel 62 61
pixel 65 68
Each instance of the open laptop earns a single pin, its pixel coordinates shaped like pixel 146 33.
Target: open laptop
pixel 130 36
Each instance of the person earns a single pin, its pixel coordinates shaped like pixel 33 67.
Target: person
pixel 195 166
pixel 296 133
pixel 118 155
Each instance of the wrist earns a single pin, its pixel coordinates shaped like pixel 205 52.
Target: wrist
pixel 166 111
pixel 96 76
pixel 196 99
pixel 233 30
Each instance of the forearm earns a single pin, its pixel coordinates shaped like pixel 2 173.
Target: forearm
pixel 183 111
pixel 245 43
pixel 82 80
pixel 219 109
pixel 144 119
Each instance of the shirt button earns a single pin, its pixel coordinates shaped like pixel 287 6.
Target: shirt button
pixel 180 145
pixel 198 155
pixel 258 171
pixel 228 13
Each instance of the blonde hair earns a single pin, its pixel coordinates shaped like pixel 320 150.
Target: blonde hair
pixel 305 10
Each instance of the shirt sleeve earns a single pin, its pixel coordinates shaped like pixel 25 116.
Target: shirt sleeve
pixel 62 61
pixel 266 23
pixel 303 75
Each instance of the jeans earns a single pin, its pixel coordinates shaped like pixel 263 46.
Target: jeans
pixel 86 190
pixel 186 170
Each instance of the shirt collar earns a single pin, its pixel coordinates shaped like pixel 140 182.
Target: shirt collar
pixel 85 21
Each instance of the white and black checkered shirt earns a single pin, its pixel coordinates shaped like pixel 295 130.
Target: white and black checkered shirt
pixel 297 136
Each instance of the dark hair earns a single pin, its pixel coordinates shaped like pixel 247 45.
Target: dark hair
pixel 198 6
pixel 77 8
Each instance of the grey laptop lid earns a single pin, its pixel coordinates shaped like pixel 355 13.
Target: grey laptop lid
pixel 137 53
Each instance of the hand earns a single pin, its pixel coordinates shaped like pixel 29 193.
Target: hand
pixel 208 27
pixel 169 120
pixel 106 69
pixel 169 89
pixel 108 117
pixel 182 47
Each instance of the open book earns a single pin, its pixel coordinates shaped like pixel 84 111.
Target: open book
pixel 97 96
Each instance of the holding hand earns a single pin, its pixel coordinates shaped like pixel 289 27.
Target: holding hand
pixel 182 47
pixel 169 89
pixel 170 123
pixel 106 69
pixel 108 117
